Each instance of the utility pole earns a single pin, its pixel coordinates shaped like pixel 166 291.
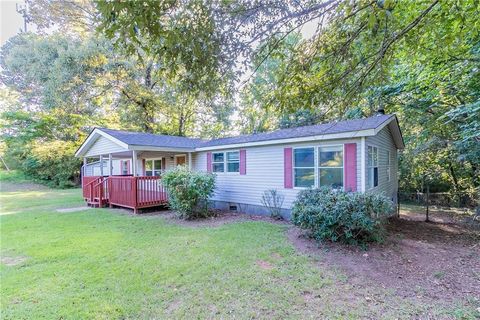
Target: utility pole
pixel 23 10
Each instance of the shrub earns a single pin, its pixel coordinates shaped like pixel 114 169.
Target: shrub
pixel 273 201
pixel 352 218
pixel 53 163
pixel 189 191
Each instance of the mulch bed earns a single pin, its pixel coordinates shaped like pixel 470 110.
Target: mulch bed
pixel 420 260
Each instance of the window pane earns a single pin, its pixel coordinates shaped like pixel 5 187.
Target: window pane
pixel 218 157
pixel 233 156
pixel 331 156
pixel 304 157
pixel 157 173
pixel 331 177
pixel 233 167
pixel 148 165
pixel 372 158
pixel 370 178
pixel 157 164
pixel 148 173
pixel 218 167
pixel 304 177
pixel 375 176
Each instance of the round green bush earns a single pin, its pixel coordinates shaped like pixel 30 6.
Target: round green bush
pixel 188 191
pixel 335 215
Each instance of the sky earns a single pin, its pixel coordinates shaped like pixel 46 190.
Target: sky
pixel 10 21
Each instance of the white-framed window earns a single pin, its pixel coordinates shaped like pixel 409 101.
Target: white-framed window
pixel 389 166
pixel 330 166
pixel 372 167
pixel 153 167
pixel 233 161
pixel 226 161
pixel 218 162
pixel 125 167
pixel 304 167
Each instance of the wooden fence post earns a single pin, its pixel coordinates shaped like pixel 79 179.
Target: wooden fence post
pixel 427 203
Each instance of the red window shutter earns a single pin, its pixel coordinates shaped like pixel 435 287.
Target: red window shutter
pixel 243 161
pixel 209 161
pixel 350 167
pixel 287 168
pixel 144 168
pixel 164 163
pixel 128 166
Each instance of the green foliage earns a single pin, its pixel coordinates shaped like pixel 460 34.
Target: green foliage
pixel 419 59
pixel 353 218
pixel 12 176
pixel 181 36
pixel 53 163
pixel 189 191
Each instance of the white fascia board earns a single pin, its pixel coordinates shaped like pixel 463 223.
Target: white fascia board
pixel 92 138
pixel 397 135
pixel 151 148
pixel 343 135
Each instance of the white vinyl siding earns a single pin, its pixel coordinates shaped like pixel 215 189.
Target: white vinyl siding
pixel 384 142
pixel 265 171
pixel 103 146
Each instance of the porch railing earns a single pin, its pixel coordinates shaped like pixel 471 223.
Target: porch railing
pixel 88 189
pixel 136 192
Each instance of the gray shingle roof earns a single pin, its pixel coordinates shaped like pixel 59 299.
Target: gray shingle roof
pixel 156 140
pixel 153 140
pixel 315 130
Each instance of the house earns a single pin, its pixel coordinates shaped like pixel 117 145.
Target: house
pixel 356 155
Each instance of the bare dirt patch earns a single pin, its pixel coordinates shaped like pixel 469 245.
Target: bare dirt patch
pixel 421 261
pixel 12 260
pixel 265 265
pixel 76 209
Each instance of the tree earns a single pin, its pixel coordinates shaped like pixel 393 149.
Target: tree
pixel 386 54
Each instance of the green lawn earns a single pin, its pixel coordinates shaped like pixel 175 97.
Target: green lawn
pixel 104 264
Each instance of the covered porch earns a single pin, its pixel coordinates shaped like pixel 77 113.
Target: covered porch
pixel 119 174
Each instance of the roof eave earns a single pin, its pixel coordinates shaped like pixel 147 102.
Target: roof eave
pixel 96 132
pixel 331 136
pixel 159 148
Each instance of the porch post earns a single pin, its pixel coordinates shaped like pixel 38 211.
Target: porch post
pixel 134 163
pixel 101 165
pixel 84 166
pixel 110 164
pixel 189 161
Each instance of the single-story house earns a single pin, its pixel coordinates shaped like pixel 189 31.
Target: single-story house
pixel 125 168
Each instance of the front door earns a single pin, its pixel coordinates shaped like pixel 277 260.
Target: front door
pixel 180 160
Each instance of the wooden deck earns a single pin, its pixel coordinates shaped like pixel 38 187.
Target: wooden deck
pixel 124 191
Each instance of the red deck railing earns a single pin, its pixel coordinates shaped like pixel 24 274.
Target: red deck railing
pixel 88 187
pixel 136 192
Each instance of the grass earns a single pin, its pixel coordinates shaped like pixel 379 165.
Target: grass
pixel 104 264
pixel 12 176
